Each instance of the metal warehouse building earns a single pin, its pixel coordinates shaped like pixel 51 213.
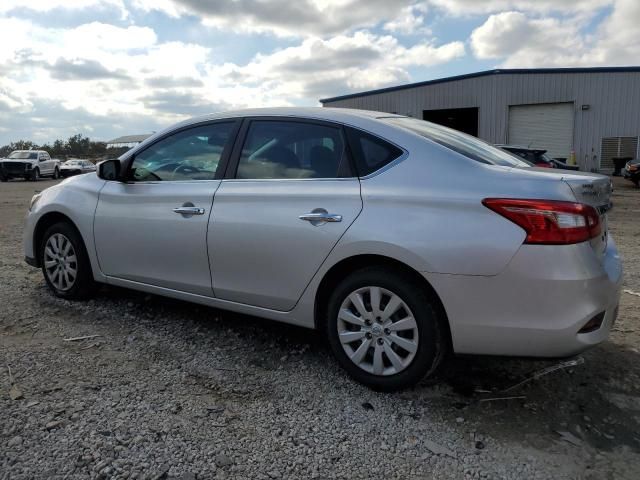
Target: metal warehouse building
pixel 593 111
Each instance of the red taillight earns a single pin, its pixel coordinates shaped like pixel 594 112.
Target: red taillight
pixel 549 222
pixel 544 165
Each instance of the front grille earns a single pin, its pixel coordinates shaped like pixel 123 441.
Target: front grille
pixel 14 167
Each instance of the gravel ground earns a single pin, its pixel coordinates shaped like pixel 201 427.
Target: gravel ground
pixel 173 390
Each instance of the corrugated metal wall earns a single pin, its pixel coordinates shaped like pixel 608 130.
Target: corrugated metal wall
pixel 613 97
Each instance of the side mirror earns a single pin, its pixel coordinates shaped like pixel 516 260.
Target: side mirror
pixel 109 170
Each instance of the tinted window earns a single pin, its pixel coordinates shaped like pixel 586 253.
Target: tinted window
pixel 370 153
pixel 191 154
pixel 289 149
pixel 459 142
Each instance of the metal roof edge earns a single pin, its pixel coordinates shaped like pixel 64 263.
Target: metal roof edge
pixel 484 73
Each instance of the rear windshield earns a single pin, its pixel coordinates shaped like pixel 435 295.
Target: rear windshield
pixel 459 142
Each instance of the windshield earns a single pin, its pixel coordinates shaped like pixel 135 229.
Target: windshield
pixel 73 162
pixel 24 155
pixel 470 147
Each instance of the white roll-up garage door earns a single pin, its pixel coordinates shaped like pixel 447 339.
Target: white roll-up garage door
pixel 548 126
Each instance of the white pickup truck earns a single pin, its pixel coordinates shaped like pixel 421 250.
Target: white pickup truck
pixel 29 164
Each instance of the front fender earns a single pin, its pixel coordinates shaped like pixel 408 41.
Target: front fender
pixel 76 199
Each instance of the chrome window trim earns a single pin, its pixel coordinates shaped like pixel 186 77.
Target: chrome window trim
pixel 340 179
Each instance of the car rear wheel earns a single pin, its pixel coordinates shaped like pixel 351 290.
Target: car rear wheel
pixel 56 174
pixel 65 263
pixel 384 330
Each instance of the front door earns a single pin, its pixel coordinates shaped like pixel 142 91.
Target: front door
pixel 293 196
pixel 45 164
pixel 152 229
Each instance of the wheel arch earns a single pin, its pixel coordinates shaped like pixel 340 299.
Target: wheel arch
pixel 48 219
pixel 356 262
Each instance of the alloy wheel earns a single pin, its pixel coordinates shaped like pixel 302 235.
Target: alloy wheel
pixel 60 262
pixel 377 330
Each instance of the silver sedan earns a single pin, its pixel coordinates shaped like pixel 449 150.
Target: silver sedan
pixel 399 239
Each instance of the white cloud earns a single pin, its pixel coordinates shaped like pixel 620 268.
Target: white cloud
pixel 48 5
pixel 98 70
pixel 520 40
pixel 410 20
pixel 343 63
pixel 283 17
pixel 475 7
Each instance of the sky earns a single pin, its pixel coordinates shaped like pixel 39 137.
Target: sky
pixel 105 68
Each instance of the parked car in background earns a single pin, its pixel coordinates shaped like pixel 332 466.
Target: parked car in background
pixel 76 167
pixel 632 171
pixel 399 239
pixel 536 156
pixel 29 164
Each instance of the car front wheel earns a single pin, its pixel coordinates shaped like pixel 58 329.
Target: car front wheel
pixel 65 263
pixel 35 175
pixel 384 330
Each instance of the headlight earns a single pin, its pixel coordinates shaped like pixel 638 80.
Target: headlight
pixel 34 200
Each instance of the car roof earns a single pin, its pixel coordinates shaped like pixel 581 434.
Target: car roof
pixel 317 113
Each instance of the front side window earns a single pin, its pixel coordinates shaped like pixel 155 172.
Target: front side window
pixel 190 154
pixel 276 149
pixel 470 147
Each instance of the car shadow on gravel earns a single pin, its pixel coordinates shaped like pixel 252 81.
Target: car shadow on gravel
pixel 597 402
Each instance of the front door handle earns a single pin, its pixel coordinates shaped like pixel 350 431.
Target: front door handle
pixel 320 216
pixel 189 210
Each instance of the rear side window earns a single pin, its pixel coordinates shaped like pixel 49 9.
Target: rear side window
pixel 371 153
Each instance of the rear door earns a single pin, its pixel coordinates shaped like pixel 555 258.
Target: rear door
pixel 152 229
pixel 291 193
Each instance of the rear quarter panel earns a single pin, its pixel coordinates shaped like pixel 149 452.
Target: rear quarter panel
pixel 427 211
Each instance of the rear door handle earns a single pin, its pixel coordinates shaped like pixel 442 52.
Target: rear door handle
pixel 319 216
pixel 189 210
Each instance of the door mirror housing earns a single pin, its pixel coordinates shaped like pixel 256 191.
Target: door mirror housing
pixel 110 170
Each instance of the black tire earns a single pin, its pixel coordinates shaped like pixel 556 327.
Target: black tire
pixel 3 178
pixel 35 175
pixel 84 285
pixel 431 347
pixel 56 174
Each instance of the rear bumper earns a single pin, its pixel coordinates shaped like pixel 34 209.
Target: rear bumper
pixel 537 305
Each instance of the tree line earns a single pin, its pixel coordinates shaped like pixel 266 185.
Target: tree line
pixel 75 146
